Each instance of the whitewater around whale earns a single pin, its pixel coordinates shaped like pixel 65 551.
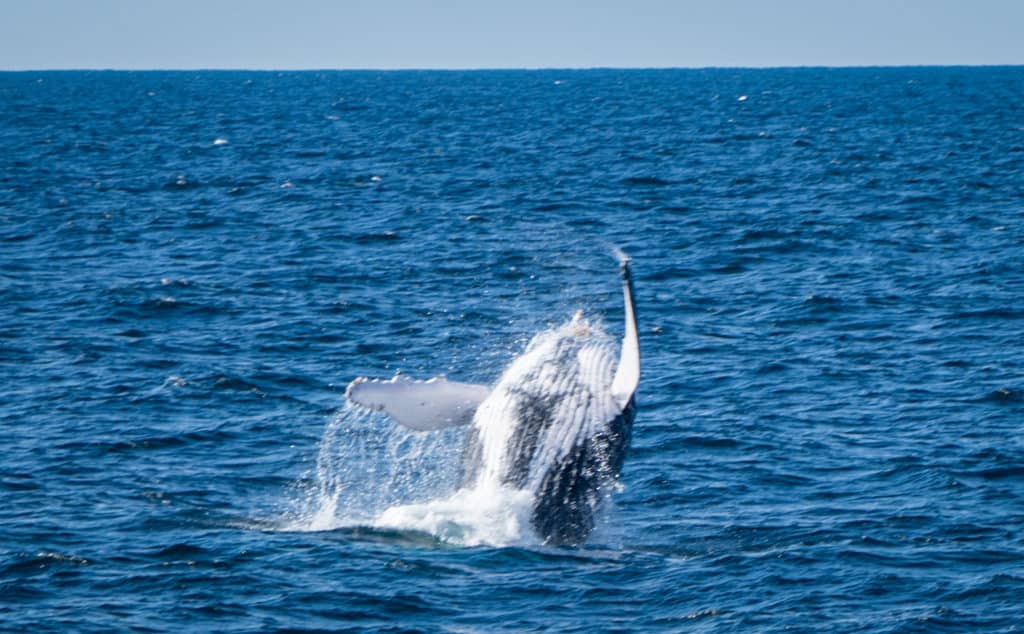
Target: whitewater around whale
pixel 551 434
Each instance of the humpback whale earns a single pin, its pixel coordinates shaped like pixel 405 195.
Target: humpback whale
pixel 556 424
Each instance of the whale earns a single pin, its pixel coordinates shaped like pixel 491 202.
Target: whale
pixel 557 423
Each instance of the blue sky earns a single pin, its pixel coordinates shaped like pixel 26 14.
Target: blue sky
pixel 293 34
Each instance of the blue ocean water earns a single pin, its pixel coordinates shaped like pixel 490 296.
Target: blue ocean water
pixel 829 267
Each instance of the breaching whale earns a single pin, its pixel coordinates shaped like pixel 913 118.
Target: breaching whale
pixel 557 423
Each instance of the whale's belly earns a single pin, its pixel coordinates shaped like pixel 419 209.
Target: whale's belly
pixel 551 426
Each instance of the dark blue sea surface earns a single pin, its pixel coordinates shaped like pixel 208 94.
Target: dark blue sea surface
pixel 829 268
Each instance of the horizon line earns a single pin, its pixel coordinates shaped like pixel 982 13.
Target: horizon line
pixel 370 69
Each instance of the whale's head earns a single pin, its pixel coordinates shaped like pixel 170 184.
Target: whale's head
pixel 555 426
pixel 546 405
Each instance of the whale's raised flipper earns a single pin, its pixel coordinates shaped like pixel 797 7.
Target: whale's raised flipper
pixel 627 375
pixel 419 405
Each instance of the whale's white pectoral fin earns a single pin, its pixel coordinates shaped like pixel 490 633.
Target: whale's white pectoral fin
pixel 428 405
pixel 627 375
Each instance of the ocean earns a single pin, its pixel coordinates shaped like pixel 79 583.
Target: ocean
pixel 829 270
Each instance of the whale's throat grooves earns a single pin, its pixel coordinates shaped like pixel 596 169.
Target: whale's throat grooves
pixel 550 427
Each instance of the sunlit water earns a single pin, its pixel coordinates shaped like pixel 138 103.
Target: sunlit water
pixel 829 272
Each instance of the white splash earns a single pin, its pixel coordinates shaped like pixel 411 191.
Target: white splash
pixel 371 472
pixel 367 464
pixel 498 516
